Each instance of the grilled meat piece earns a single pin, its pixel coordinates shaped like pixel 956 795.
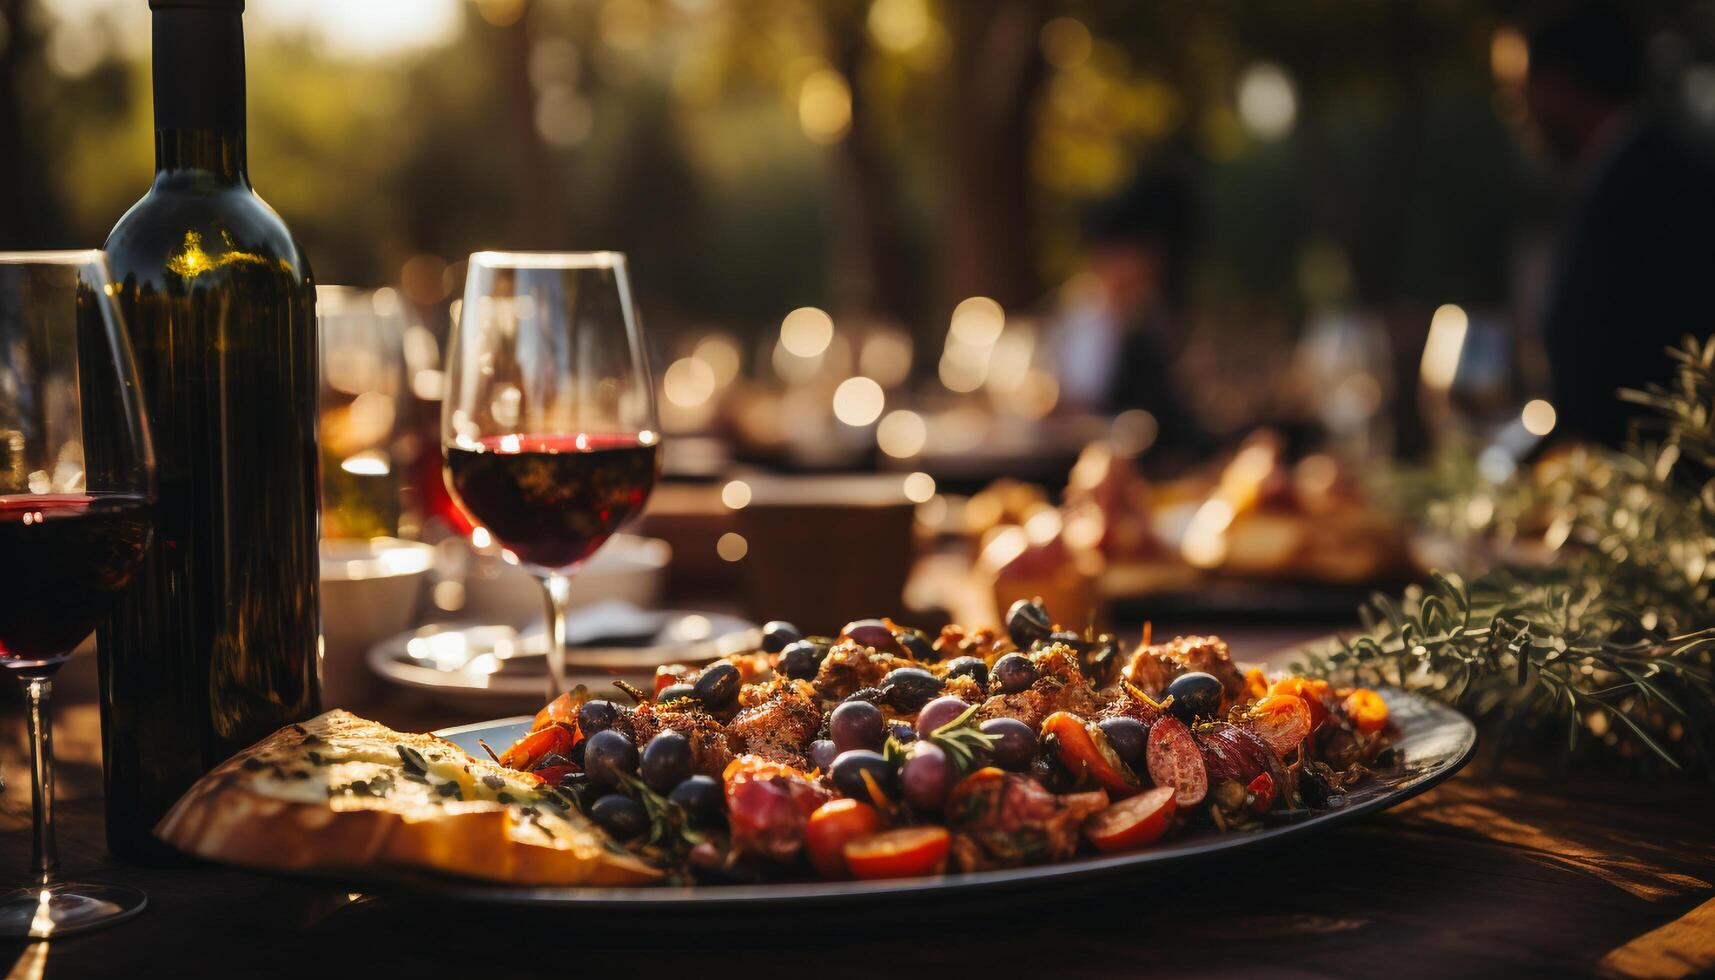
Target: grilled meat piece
pixel 779 728
pixel 710 747
pixel 1153 666
pixel 964 689
pixel 1127 705
pixel 1041 699
pixel 769 807
pixel 849 668
pixel 1059 686
pixel 1004 819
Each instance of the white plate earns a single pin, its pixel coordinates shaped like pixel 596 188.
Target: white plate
pixel 499 663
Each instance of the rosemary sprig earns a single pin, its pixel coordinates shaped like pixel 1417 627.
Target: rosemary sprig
pixel 960 738
pixel 669 826
pixel 1611 645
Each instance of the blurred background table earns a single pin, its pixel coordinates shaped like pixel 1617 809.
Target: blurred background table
pixel 1490 874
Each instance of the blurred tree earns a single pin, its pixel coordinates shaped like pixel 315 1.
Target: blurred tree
pixel 28 216
pixel 994 77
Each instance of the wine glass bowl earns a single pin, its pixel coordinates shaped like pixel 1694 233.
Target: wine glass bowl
pixel 76 517
pixel 548 425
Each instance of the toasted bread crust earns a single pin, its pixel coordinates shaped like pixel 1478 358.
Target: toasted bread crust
pixel 239 814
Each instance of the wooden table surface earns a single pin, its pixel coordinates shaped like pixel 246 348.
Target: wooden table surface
pixel 1494 873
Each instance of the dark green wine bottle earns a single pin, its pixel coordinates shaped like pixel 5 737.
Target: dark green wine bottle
pixel 216 643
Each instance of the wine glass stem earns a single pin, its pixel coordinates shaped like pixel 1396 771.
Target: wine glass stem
pixel 47 858
pixel 558 588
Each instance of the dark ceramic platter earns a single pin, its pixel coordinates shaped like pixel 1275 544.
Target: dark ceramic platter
pixel 1434 742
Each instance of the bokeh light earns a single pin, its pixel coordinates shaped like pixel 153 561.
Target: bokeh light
pixel 886 357
pixel 858 401
pixel 899 25
pixel 1267 101
pixel 1443 347
pixel 732 546
pixel 1538 417
pixel 688 382
pixel 1509 56
pixel 1066 42
pixel 919 487
pixel 720 352
pixel 825 106
pixel 902 434
pixel 977 321
pixel 1134 431
pixel 806 331
pixel 736 495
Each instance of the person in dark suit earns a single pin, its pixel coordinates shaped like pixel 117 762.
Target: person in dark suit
pixel 1633 270
pixel 1117 340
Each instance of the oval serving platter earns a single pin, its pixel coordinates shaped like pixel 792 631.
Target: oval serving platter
pixel 1434 743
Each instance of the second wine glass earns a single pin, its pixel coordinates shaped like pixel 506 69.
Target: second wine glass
pixel 548 425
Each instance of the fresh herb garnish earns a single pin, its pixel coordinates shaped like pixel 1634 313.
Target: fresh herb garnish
pixel 1612 646
pixel 669 826
pixel 962 740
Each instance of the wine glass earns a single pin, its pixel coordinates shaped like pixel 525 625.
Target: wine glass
pixel 548 424
pixel 76 514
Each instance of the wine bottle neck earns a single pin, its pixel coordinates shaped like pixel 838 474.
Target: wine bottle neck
pixel 199 90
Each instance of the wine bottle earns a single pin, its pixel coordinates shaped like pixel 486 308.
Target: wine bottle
pixel 216 643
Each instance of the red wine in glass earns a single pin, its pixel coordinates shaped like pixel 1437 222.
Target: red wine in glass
pixel 552 500
pixel 64 559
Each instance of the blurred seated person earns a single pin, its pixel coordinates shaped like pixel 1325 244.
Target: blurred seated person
pixel 1631 271
pixel 1119 334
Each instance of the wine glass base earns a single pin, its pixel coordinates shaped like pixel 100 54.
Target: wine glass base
pixel 64 908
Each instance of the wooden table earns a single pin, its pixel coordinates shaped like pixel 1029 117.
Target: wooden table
pixel 1494 873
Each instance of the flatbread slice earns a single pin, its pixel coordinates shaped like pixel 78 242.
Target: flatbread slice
pixel 339 792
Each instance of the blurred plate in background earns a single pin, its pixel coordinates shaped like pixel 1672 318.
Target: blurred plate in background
pixel 627 568
pixel 503 665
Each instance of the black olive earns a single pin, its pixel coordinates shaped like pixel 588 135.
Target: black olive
pixel 701 798
pixel 916 645
pixel 1013 673
pixel 801 660
pixel 1195 695
pixel 903 732
pixel 1129 738
pixel 871 633
pixel 1097 658
pixel 717 686
pixel 972 667
pixel 676 692
pixel 608 756
pixel 1027 622
pixel 909 688
pixel 665 761
pixel 621 816
pixel 777 635
pixel 849 769
pixel 597 715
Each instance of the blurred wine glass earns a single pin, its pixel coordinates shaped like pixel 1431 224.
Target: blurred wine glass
pixel 1468 380
pixel 77 483
pixel 548 424
pixel 363 381
pixel 1345 364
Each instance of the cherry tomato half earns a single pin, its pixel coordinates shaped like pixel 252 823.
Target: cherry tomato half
pixel 905 853
pixel 835 824
pixel 1132 823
